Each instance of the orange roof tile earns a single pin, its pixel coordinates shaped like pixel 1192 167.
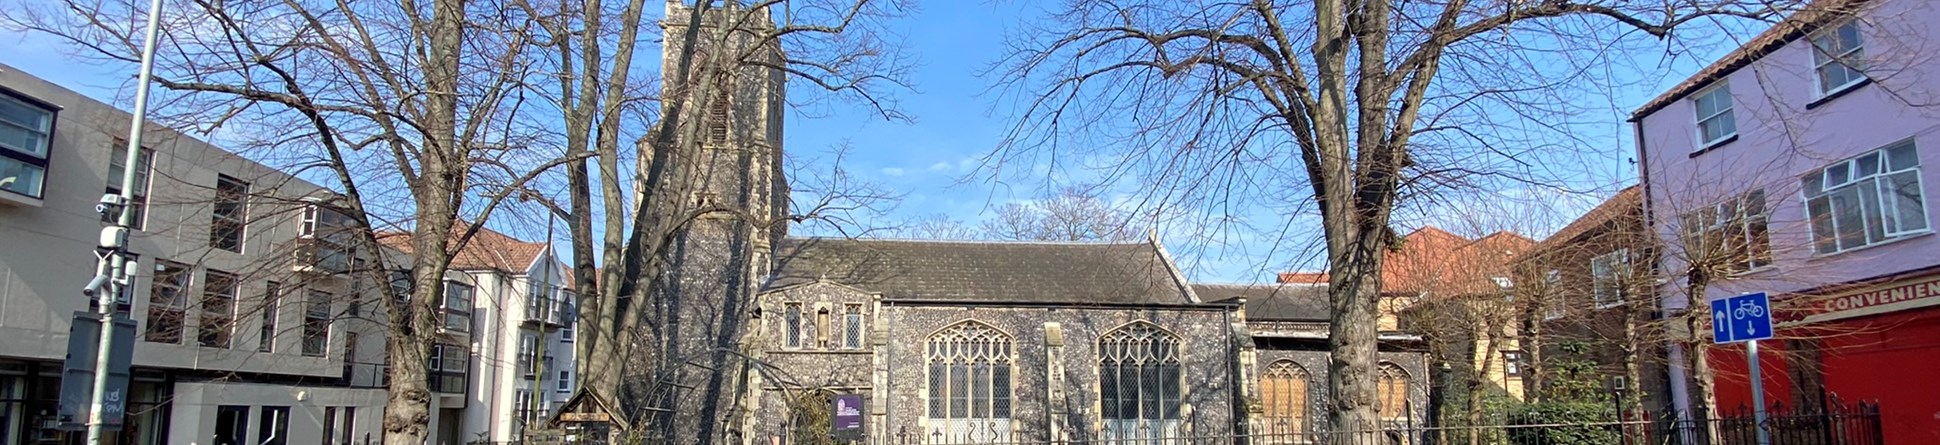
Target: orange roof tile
pixel 1434 261
pixel 488 250
pixel 1302 278
pixel 1630 199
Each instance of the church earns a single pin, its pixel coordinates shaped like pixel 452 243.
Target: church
pixel 897 341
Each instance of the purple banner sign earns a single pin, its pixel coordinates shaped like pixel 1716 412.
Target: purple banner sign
pixel 848 417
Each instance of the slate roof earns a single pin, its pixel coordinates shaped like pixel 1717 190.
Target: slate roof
pixel 1272 302
pixel 1814 15
pixel 981 271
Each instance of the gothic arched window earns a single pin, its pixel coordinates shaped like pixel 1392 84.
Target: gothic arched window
pixel 1284 396
pixel 970 385
pixel 1392 390
pixel 1139 383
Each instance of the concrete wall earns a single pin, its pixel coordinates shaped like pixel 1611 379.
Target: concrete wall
pixel 48 256
pixel 51 245
pixel 193 418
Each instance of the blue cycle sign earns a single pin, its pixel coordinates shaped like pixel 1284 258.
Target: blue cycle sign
pixel 1741 318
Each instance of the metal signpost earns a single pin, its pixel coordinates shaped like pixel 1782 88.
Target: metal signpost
pixel 1746 318
pixel 106 394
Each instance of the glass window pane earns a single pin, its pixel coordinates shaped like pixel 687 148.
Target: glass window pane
pixel 1909 207
pixel 1814 184
pixel 1849 37
pixel 1838 174
pixel 20 113
pixel 1868 164
pixel 1108 390
pixel 1902 157
pixel 1170 390
pixel 959 391
pixel 1848 218
pixel 1128 392
pixel 1823 235
pixel 20 177
pixel 980 390
pixel 1869 207
pixel 1000 386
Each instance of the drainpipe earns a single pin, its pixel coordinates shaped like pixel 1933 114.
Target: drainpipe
pixel 1676 372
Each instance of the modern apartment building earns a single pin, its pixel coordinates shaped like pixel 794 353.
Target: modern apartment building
pixel 505 356
pixel 1796 166
pixel 250 331
pixel 257 319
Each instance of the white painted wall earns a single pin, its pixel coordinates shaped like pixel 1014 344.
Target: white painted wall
pixel 193 415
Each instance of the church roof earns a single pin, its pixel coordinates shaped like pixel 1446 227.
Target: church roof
pixel 1274 302
pixel 984 271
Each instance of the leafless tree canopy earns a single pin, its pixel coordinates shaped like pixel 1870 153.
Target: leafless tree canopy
pixel 1351 104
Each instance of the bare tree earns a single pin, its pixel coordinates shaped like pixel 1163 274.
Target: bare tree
pixel 711 158
pixel 937 226
pixel 1073 213
pixel 1206 101
pixel 410 109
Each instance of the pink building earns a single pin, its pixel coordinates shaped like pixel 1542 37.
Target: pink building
pixel 1795 166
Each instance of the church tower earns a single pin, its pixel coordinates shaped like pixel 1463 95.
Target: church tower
pixel 701 308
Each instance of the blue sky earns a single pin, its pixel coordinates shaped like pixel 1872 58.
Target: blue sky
pixel 933 159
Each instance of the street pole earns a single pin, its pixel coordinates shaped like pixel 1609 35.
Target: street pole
pixel 1757 393
pixel 117 259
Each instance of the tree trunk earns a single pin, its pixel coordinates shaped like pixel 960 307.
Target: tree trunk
pixel 1532 352
pixel 438 197
pixel 1354 290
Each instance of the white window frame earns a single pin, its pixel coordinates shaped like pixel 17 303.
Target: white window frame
pixel 1849 59
pixel 1734 216
pixel 145 165
pixel 457 317
pixel 266 329
pixel 316 314
pixel 218 322
pixel 1617 263
pixel 528 355
pixel 166 297
pixel 1723 86
pixel 240 218
pixel 29 157
pixel 565 381
pixel 569 319
pixel 1553 307
pixel 1819 186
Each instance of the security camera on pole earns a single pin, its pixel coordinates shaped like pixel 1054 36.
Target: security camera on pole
pixel 1746 318
pixel 98 391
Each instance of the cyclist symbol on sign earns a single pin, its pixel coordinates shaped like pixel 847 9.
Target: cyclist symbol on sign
pixel 1747 309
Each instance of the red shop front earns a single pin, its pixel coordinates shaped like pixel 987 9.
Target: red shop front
pixel 1875 343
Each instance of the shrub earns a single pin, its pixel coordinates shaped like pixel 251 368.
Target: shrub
pixel 1563 423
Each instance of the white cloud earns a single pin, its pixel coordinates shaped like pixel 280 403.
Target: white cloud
pixel 892 171
pixel 940 166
